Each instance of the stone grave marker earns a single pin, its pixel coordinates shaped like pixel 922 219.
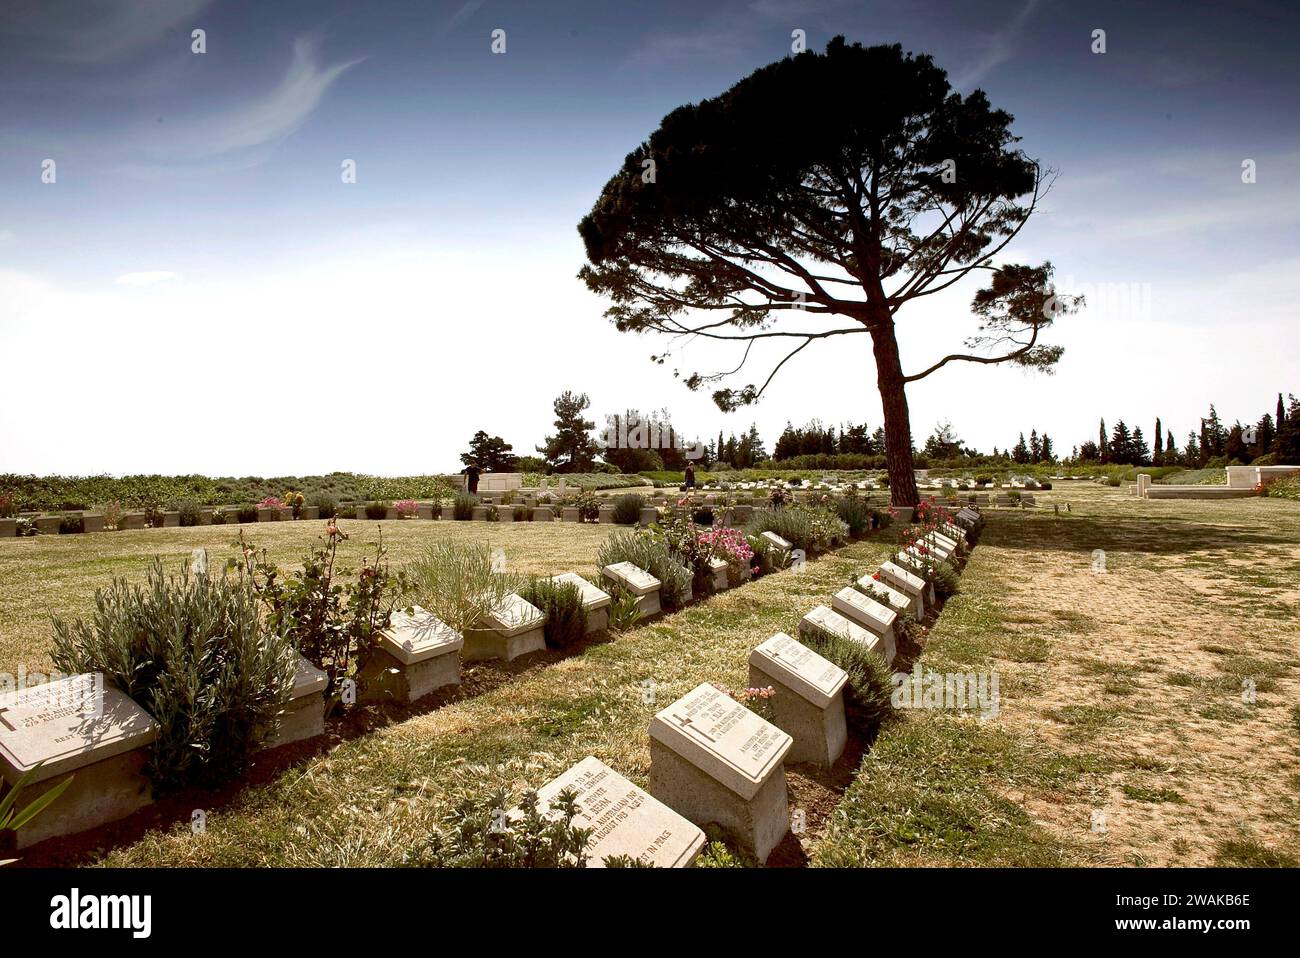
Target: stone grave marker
pixel 640 583
pixel 304 715
pixel 778 542
pixel 594 600
pixel 879 589
pixel 871 615
pixel 719 569
pixel 516 627
pixel 713 760
pixel 624 819
pixel 825 619
pixel 417 654
pixel 908 583
pixel 75 726
pixel 809 700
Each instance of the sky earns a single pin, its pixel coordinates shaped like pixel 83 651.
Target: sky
pixel 199 290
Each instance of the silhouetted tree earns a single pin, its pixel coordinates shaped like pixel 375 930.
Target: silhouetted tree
pixel 879 199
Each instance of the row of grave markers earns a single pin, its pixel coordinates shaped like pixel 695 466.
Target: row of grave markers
pixel 715 761
pixel 76 725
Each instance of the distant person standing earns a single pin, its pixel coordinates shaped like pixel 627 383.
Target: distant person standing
pixel 471 479
pixel 690 476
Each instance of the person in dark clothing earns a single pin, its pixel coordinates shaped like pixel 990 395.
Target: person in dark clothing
pixel 471 479
pixel 690 476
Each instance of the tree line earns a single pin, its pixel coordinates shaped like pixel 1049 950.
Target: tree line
pixel 633 441
pixel 1275 436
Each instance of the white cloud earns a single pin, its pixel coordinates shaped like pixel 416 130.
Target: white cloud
pixel 146 278
pixel 258 122
pixel 999 46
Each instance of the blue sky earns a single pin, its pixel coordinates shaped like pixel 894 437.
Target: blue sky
pixel 200 291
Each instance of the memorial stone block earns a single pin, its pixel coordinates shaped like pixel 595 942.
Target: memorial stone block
pixel 304 716
pixel 719 569
pixel 417 654
pixel 624 819
pixel 879 589
pixel 75 726
pixel 871 615
pixel 827 620
pixel 713 760
pixel 809 700
pixel 640 583
pixel 513 628
pixel 910 584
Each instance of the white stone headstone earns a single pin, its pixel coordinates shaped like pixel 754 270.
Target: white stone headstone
pixel 68 724
pixel 815 678
pixel 722 738
pixel 592 597
pixel 515 615
pixel 635 579
pixel 419 635
pixel 624 819
pixel 776 540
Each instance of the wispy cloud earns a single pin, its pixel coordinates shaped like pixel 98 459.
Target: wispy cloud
pixel 146 278
pixel 260 121
pixel 999 46
pixel 466 11
pixel 95 31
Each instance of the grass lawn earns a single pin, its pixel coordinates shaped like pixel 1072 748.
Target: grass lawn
pixel 1121 695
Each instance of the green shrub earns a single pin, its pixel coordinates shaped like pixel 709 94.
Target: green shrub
pixel 623 610
pixel 327 506
pixel 217 517
pixel 459 583
pixel 566 618
pixel 854 513
pixel 627 509
pixel 588 507
pixel 248 513
pixel 703 516
pixel 463 506
pixel 192 651
pixel 520 513
pixel 72 524
pixel 190 513
pixel 377 510
pixel 1287 487
pixel 652 556
pixel 868 691
pixel 485 834
pixel 812 529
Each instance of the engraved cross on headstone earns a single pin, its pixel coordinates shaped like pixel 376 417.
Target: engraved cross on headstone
pixel 688 725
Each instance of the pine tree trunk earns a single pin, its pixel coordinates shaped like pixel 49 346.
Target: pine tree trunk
pixel 898 424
